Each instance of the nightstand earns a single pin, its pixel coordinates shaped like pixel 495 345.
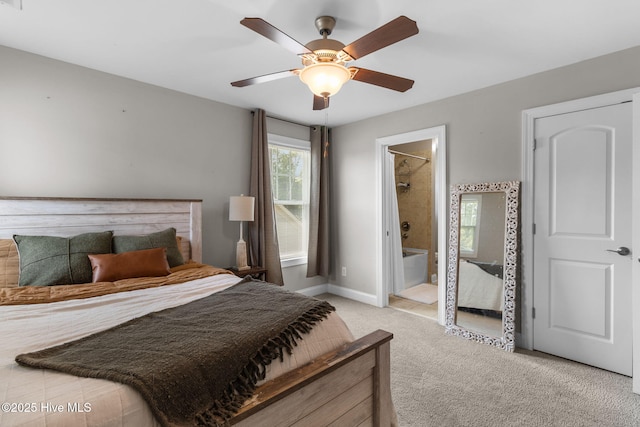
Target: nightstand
pixel 256 272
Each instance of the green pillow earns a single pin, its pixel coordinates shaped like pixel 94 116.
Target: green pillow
pixel 49 260
pixel 161 239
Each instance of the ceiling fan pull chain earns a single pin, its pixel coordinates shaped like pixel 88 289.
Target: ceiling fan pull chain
pixel 325 152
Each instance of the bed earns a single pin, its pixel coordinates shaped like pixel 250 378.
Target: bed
pixel 329 379
pixel 480 286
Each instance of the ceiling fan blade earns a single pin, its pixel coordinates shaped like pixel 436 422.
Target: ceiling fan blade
pixel 264 78
pixel 381 79
pixel 320 103
pixel 267 30
pixel 390 33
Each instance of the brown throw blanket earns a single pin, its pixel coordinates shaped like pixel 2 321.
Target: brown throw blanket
pixel 194 364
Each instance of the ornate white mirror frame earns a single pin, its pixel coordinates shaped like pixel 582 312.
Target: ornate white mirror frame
pixel 507 340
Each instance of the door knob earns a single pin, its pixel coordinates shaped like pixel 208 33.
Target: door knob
pixel 622 250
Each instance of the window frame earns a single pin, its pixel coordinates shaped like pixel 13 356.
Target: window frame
pixel 305 145
pixel 473 253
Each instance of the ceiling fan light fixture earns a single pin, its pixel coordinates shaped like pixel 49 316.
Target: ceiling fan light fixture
pixel 325 78
pixel 325 60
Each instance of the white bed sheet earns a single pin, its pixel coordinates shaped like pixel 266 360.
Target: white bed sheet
pixel 479 289
pixel 35 397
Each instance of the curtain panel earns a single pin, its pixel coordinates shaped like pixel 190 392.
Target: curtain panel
pixel 394 242
pixel 318 263
pixel 263 238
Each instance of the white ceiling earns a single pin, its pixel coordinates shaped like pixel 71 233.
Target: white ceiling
pixel 199 47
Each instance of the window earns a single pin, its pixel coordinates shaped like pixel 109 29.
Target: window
pixel 290 181
pixel 470 205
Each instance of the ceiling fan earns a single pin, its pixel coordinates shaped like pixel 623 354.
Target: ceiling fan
pixel 325 60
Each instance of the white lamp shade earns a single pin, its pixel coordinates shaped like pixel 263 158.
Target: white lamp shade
pixel 241 208
pixel 325 78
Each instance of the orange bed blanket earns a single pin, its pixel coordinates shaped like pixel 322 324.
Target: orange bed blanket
pixel 44 294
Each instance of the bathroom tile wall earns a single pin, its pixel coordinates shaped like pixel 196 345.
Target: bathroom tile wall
pixel 415 203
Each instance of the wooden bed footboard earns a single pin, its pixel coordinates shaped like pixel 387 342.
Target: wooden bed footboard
pixel 347 387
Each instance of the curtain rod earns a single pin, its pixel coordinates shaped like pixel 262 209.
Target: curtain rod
pixel 283 120
pixel 408 155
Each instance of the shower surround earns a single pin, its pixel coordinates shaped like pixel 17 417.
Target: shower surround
pixel 415 201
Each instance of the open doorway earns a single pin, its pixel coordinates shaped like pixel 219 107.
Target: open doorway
pixel 416 287
pixel 412 171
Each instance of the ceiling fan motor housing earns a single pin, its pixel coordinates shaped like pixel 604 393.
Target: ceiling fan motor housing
pixel 325 50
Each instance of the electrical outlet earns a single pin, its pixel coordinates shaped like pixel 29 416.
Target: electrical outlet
pixel 344 271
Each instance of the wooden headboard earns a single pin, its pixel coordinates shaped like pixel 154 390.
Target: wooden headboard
pixel 67 217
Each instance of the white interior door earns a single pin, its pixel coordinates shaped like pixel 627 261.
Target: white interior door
pixel 582 211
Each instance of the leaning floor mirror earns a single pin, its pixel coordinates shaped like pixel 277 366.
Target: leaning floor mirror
pixel 483 253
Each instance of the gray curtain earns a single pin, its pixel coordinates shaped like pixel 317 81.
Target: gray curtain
pixel 263 238
pixel 318 259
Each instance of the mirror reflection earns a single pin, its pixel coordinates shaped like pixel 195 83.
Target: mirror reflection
pixel 480 299
pixel 482 263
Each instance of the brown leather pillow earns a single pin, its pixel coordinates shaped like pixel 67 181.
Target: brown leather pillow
pixel 128 265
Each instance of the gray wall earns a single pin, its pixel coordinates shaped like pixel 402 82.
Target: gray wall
pixel 67 131
pixel 73 132
pixel 492 228
pixel 483 139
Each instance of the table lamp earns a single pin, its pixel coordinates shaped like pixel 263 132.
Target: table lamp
pixel 241 209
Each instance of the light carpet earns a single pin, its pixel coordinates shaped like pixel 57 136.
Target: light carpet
pixel 441 380
pixel 425 293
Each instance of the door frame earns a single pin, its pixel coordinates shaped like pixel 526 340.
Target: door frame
pixel 438 135
pixel 525 338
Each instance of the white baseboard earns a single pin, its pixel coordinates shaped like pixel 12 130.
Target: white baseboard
pixel 315 290
pixel 340 291
pixel 352 294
